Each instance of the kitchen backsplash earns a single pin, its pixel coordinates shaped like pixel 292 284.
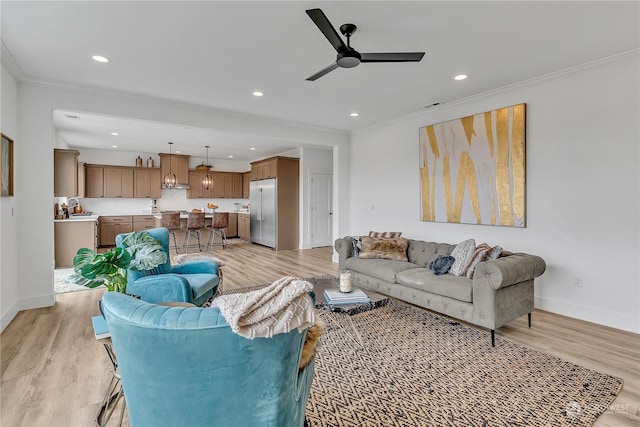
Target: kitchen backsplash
pixel 170 200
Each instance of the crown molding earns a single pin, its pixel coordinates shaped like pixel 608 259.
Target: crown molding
pixel 623 56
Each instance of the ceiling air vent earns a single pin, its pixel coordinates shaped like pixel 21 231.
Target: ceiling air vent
pixel 72 117
pixel 432 105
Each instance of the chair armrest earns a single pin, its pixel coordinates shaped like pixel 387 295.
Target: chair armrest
pixel 509 270
pixel 161 288
pixel 195 267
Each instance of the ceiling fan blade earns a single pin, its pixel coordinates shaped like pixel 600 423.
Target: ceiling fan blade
pixel 392 57
pixel 323 72
pixel 323 24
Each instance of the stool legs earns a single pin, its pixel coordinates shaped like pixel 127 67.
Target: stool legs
pixel 172 234
pixel 212 238
pixel 189 234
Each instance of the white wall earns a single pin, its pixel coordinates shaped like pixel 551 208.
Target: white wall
pixel 36 103
pixel 9 295
pixel 582 187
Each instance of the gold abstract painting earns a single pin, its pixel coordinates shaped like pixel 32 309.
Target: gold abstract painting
pixel 472 169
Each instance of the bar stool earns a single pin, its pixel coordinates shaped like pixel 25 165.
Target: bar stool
pixel 195 223
pixel 171 221
pixel 219 222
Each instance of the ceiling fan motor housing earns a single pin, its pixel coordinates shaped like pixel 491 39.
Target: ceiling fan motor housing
pixel 348 59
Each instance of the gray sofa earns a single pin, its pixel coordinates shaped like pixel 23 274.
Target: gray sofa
pixel 500 291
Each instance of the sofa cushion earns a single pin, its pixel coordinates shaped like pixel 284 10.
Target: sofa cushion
pixel 389 248
pixel 462 253
pixel 447 285
pixel 383 269
pixel 422 253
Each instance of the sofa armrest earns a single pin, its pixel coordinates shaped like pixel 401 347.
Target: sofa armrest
pixel 509 270
pixel 344 247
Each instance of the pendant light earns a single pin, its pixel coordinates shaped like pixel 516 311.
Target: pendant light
pixel 207 180
pixel 169 179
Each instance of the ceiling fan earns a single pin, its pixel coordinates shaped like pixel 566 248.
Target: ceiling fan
pixel 347 56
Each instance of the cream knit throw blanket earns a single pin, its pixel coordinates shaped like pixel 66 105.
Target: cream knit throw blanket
pixel 275 309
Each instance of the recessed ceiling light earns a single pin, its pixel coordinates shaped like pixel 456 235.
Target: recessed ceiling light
pixel 253 148
pixel 258 93
pixel 115 133
pixel 354 114
pixel 230 156
pixel 460 77
pixel 114 146
pixel 100 58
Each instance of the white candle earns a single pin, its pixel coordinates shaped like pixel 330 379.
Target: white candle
pixel 345 282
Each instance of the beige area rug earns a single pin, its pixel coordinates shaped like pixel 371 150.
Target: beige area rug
pixel 420 369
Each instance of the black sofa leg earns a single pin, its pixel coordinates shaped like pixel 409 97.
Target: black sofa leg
pixel 529 316
pixel 493 338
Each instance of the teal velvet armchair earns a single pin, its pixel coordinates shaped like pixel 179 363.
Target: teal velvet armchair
pixel 193 282
pixel 186 367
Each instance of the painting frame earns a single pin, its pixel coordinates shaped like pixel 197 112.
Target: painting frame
pixel 6 166
pixel 473 169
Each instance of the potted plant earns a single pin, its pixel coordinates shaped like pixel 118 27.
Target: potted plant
pixel 139 251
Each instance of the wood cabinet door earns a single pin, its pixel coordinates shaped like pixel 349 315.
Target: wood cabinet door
pixel 112 182
pixel 141 183
pixel 65 173
pixel 218 185
pixel 227 191
pixel 155 183
pixel 94 181
pixel 126 190
pixel 238 188
pixel 246 179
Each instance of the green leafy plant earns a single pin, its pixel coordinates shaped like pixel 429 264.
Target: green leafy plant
pixel 139 251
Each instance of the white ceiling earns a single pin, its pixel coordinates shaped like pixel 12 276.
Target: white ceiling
pixel 215 54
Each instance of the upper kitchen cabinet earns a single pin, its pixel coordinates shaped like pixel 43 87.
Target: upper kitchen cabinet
pixel 195 190
pixel 66 172
pixel 94 181
pixel 176 163
pixel 246 178
pixel 274 167
pixel 226 185
pixel 147 182
pixel 118 182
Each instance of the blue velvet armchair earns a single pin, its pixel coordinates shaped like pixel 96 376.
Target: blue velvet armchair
pixel 193 282
pixel 186 367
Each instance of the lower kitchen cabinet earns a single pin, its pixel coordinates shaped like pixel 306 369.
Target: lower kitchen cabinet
pixel 71 235
pixel 232 228
pixel 244 226
pixel 143 222
pixel 111 226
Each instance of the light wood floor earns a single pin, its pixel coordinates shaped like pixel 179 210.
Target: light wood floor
pixel 54 373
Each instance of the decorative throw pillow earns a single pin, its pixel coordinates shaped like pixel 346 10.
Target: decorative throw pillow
pixel 385 234
pixel 462 254
pixel 357 245
pixel 483 252
pixel 441 264
pixel 394 249
pixel 480 254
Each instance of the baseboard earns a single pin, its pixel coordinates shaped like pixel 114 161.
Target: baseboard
pixel 8 316
pixel 37 302
pixel 590 314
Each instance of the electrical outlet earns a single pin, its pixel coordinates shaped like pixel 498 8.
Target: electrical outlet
pixel 577 282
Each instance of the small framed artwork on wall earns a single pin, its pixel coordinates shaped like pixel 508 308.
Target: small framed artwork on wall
pixel 6 166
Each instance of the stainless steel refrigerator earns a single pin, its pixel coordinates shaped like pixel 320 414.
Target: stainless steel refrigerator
pixel 262 195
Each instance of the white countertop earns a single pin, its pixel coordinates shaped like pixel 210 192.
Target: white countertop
pixel 79 218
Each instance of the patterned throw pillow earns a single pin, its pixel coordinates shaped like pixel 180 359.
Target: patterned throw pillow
pixel 395 249
pixel 483 252
pixel 385 234
pixel 462 254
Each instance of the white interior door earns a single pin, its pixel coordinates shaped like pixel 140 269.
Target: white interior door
pixel 321 210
